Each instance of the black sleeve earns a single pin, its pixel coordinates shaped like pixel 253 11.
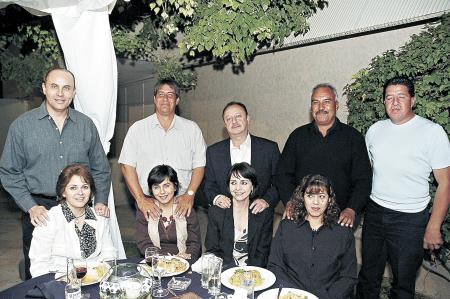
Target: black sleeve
pixel 211 187
pixel 213 232
pixel 361 175
pixel 285 178
pixel 276 263
pixel 271 195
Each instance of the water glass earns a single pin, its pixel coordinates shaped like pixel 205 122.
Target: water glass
pixel 73 289
pixel 205 269
pixel 215 269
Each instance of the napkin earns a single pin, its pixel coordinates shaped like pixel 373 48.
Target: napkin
pixel 48 290
pixel 197 266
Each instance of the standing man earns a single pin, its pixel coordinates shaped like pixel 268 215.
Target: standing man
pixel 330 148
pixel 163 138
pixel 404 150
pixel 261 153
pixel 40 143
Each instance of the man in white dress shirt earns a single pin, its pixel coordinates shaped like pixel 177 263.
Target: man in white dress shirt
pixel 163 138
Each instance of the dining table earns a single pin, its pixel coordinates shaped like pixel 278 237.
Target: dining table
pixel 20 290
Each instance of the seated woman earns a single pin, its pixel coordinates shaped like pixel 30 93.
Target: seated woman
pixel 173 235
pixel 73 230
pixel 236 234
pixel 312 252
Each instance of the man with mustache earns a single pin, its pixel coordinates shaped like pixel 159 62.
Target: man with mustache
pixel 404 149
pixel 330 148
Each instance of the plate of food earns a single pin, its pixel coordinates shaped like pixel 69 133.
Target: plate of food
pixel 287 293
pixel 94 274
pixel 173 265
pixel 264 279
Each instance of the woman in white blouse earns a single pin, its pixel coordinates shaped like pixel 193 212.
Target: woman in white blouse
pixel 73 230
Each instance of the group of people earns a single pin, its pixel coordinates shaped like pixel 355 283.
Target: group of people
pixel 326 176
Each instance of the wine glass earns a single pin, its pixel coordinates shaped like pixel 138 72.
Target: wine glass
pixel 157 269
pixel 80 268
pixel 149 252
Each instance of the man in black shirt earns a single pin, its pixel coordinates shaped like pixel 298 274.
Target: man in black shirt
pixel 330 148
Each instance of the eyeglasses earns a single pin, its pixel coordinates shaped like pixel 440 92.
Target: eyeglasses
pixel 169 95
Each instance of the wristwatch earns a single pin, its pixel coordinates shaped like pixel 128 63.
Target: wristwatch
pixel 190 192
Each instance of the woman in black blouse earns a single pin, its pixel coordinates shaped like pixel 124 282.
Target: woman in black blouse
pixel 236 234
pixel 312 252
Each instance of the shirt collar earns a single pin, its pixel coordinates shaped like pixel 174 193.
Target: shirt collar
pixel 333 128
pixel 246 144
pixel 67 212
pixel 43 113
pixel 154 122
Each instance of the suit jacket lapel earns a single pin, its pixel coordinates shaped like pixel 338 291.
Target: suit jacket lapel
pixel 226 153
pixel 253 223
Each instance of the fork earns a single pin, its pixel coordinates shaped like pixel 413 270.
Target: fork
pixel 280 287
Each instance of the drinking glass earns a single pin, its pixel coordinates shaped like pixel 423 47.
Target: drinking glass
pixel 157 269
pixel 248 283
pixel 80 268
pixel 205 269
pixel 72 290
pixel 149 252
pixel 215 269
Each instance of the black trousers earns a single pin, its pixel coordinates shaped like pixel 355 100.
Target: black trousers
pixel 27 230
pixel 395 237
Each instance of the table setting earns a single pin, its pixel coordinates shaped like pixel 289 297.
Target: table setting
pixel 158 276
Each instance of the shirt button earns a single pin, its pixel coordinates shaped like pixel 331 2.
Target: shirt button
pixel 60 142
pixel 314 248
pixel 60 157
pixel 56 128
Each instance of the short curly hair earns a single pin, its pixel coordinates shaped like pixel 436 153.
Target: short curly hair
pixel 315 183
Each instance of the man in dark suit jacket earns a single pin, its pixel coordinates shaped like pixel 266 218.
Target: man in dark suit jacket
pixel 262 154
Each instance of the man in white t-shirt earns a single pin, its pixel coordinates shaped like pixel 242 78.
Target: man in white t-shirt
pixel 404 150
pixel 164 138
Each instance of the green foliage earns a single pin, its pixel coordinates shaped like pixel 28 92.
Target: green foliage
pixel 135 42
pixel 236 28
pixel 27 55
pixel 425 59
pixel 170 68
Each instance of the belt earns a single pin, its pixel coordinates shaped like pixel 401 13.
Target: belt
pixel 43 196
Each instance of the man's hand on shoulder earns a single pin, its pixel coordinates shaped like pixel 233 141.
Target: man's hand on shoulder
pixel 432 239
pixel 38 215
pixel 258 205
pixel 289 211
pixel 222 201
pixel 101 209
pixel 347 217
pixel 148 207
pixel 185 202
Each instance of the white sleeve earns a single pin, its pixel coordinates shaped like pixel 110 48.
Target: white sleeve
pixel 128 155
pixel 41 247
pixel 439 148
pixel 199 147
pixel 108 251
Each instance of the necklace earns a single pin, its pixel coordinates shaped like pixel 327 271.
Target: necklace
pixel 77 218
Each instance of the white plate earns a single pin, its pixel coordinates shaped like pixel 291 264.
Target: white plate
pixel 272 294
pixel 92 275
pixel 166 274
pixel 267 276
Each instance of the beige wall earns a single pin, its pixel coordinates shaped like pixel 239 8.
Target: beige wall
pixel 276 87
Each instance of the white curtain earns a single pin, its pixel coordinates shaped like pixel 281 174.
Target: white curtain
pixel 85 37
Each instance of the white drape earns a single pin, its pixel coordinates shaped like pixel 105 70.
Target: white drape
pixel 85 37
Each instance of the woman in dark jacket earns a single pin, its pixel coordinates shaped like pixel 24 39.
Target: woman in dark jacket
pixel 313 252
pixel 236 234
